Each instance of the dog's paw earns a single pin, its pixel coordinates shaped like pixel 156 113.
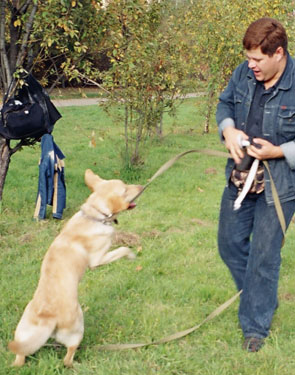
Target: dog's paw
pixel 131 255
pixel 19 361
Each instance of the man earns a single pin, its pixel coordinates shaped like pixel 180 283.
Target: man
pixel 258 105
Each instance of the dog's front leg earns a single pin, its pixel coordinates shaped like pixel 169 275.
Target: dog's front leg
pixel 121 252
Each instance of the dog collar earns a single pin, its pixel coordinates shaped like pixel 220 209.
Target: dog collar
pixel 106 219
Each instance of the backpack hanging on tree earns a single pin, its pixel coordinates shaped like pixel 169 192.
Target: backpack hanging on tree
pixel 28 113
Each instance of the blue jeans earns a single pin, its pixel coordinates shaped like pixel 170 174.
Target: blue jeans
pixel 249 242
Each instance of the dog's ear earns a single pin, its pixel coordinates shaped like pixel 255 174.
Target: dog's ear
pixel 91 179
pixel 117 204
pixel 95 204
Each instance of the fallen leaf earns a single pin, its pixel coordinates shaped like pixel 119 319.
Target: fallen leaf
pixel 92 142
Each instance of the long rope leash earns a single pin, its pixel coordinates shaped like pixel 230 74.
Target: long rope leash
pixel 172 161
pixel 174 336
pixel 216 312
pixel 229 302
pixel 277 202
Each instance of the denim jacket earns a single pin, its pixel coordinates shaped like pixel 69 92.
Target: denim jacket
pixel 278 125
pixel 51 184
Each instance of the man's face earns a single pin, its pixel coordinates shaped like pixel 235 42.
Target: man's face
pixel 265 68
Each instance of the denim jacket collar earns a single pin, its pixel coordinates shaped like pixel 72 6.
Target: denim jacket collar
pixel 287 80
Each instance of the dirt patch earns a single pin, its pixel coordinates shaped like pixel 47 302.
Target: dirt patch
pixel 26 238
pixel 152 234
pixel 211 171
pixel 287 297
pixel 176 230
pixel 126 239
pixel 202 223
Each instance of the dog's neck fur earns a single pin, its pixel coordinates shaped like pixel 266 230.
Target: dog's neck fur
pixel 104 219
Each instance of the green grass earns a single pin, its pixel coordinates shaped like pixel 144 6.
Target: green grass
pixel 177 279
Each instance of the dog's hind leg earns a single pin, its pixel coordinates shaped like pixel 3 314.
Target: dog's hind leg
pixel 28 342
pixel 29 337
pixel 68 359
pixel 19 360
pixel 71 336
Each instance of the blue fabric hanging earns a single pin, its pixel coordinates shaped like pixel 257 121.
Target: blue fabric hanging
pixel 51 185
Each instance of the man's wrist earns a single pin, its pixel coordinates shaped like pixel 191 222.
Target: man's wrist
pixel 278 152
pixel 226 123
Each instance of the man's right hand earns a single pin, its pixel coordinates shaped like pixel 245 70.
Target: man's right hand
pixel 232 137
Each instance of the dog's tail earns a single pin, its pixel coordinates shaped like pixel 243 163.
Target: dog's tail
pixel 35 341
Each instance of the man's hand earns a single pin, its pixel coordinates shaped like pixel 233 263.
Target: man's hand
pixel 266 150
pixel 232 137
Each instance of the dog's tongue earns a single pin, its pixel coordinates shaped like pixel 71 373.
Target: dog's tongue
pixel 131 205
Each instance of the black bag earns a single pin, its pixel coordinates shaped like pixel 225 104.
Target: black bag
pixel 29 113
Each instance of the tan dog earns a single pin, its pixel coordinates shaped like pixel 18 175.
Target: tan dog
pixel 84 242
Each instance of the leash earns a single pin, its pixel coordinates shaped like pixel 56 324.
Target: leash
pixel 225 305
pixel 172 161
pixel 275 195
pixel 238 202
pixel 216 312
pixel 277 202
pixel 174 336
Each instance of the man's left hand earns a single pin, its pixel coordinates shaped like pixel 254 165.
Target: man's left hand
pixel 266 150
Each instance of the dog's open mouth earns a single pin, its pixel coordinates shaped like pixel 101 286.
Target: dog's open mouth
pixel 131 205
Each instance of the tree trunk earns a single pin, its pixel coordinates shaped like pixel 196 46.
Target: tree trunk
pixel 4 63
pixel 14 37
pixel 17 51
pixel 4 163
pixel 159 127
pixel 210 105
pixel 126 133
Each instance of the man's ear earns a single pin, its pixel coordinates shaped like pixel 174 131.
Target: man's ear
pixel 280 53
pixel 92 180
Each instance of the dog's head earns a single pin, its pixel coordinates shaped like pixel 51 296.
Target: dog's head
pixel 109 197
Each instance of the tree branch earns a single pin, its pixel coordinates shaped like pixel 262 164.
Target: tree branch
pixel 120 100
pixel 28 28
pixel 93 82
pixel 5 69
pixel 24 7
pixel 10 6
pixel 21 144
pixel 59 76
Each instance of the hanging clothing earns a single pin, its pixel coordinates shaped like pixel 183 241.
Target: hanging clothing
pixel 51 186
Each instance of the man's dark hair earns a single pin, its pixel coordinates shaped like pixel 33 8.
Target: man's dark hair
pixel 266 33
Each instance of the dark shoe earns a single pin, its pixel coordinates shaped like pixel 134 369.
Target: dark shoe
pixel 253 344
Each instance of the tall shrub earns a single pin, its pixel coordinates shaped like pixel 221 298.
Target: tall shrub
pixel 148 53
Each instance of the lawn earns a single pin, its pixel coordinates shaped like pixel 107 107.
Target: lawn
pixel 177 279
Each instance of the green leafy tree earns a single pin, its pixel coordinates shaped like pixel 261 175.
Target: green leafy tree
pixel 14 39
pixel 142 53
pixel 149 57
pixel 44 37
